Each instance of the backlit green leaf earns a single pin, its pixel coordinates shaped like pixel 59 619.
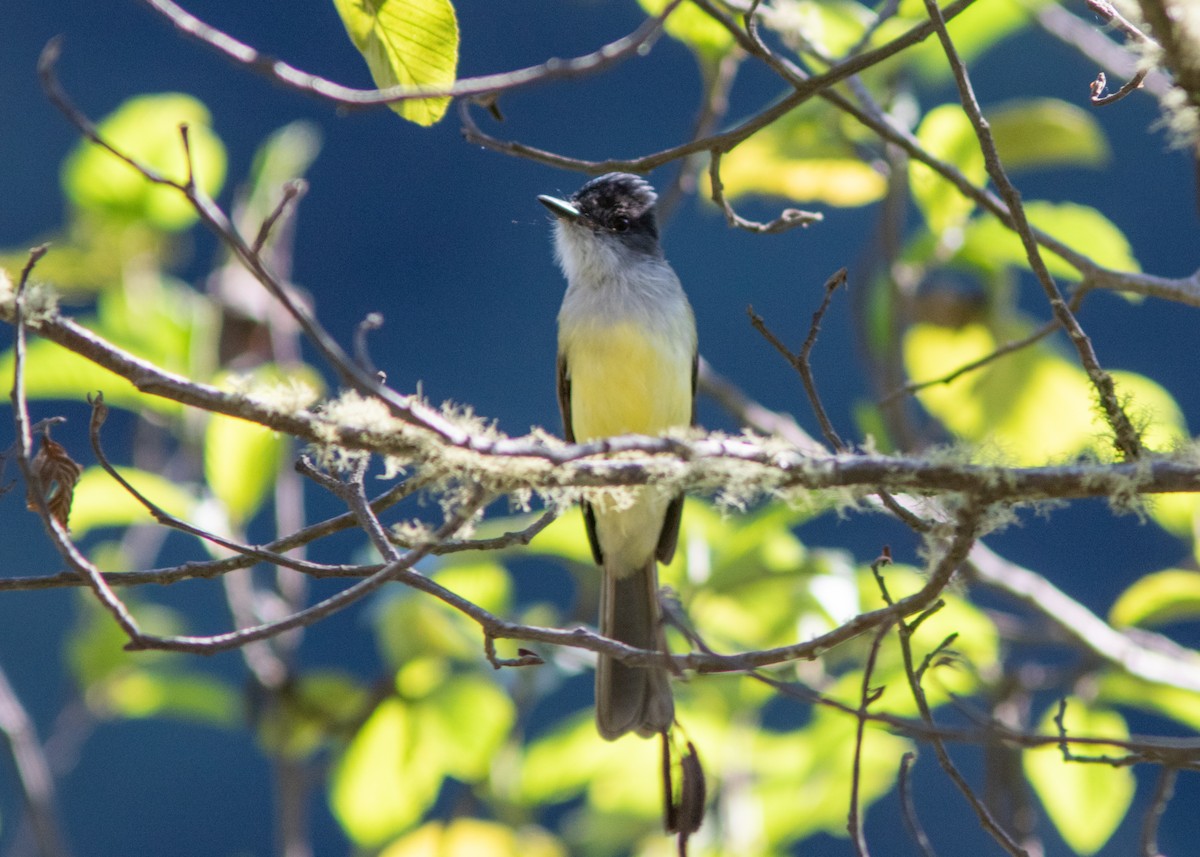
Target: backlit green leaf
pixel 804 157
pixel 146 128
pixel 100 501
pixel 989 244
pixel 240 463
pixel 690 25
pixel 947 134
pixel 1086 801
pixel 1032 406
pixel 1158 599
pixel 1120 688
pixel 385 780
pixel 474 837
pixel 411 43
pixel 53 372
pixel 1046 132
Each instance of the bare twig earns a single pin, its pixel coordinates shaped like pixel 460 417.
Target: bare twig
pixel 968 519
pixel 803 89
pixel 800 361
pixel 33 773
pixel 989 358
pixel 867 695
pixel 1126 439
pixel 1083 626
pixel 54 528
pixel 635 44
pixel 911 821
pixel 789 218
pixel 1164 790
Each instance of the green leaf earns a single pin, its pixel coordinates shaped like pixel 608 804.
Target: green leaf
pixel 411 43
pixel 391 772
pixel 146 128
pixel 974 32
pixel 707 38
pixel 1046 132
pixel 53 372
pixel 812 768
pixel 1086 801
pixel 832 27
pixel 139 693
pixel 241 459
pixel 467 720
pixel 1158 599
pixel 991 245
pixel 474 836
pixel 1120 688
pixel 100 501
pixel 1032 406
pixel 573 759
pixel 947 134
pixel 385 779
pixel 805 157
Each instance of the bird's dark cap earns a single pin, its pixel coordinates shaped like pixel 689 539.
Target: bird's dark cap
pixel 617 203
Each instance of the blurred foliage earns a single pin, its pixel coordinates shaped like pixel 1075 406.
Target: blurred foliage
pixel 1086 796
pixel 442 754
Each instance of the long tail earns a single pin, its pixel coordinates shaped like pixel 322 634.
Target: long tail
pixel 632 698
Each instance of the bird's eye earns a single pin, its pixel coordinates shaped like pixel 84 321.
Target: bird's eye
pixel 620 223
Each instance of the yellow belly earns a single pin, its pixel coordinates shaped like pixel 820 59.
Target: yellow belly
pixel 622 382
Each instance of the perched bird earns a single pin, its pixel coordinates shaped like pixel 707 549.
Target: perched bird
pixel 626 365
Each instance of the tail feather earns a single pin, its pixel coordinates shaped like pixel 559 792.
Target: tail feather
pixel 632 699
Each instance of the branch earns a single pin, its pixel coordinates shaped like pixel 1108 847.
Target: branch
pixel 1081 625
pixel 33 773
pixel 1126 439
pixel 803 89
pixel 636 43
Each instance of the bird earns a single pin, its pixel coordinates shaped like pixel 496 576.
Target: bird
pixel 627 361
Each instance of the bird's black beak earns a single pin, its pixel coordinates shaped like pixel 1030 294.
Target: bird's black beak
pixel 560 208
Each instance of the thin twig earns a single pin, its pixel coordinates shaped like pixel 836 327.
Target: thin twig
pixel 1164 790
pixel 397 570
pixel 867 695
pixel 963 539
pixel 803 89
pixel 54 528
pixel 989 358
pixel 634 44
pixel 789 218
pixel 911 821
pixel 1126 439
pixel 33 774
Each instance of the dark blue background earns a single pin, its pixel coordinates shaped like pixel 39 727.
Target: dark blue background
pixel 447 241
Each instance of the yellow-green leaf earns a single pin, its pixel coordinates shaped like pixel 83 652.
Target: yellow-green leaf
pixel 807 156
pixel 385 780
pixel 53 372
pixel 100 501
pixel 240 462
pixel 1158 599
pixel 1180 705
pixel 146 128
pixel 1086 801
pixel 1032 406
pixel 470 837
pixel 689 24
pixel 411 43
pixel 1045 132
pixel 991 245
pixel 756 167
pixel 947 134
